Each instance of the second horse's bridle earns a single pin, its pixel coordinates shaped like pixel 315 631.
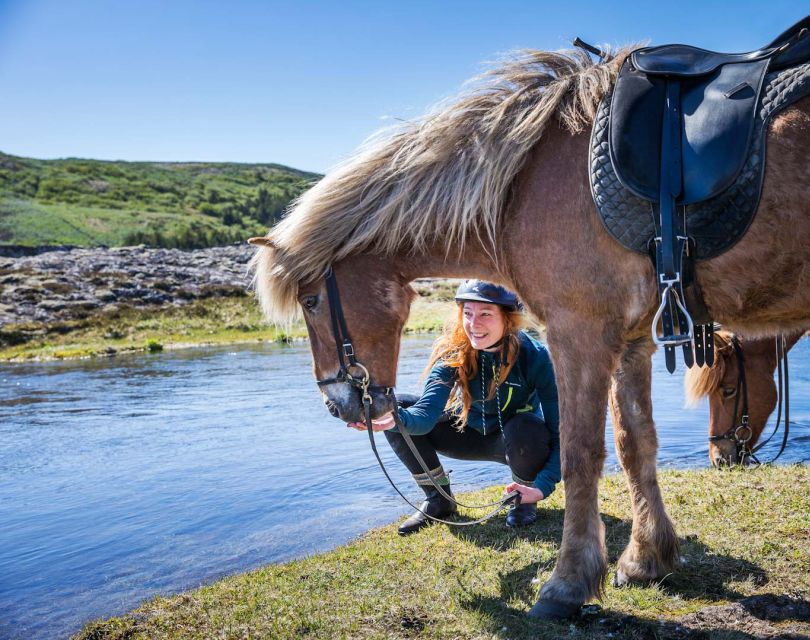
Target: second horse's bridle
pixel 741 434
pixel 348 362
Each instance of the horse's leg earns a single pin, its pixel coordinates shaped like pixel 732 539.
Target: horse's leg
pixel 584 356
pixel 653 548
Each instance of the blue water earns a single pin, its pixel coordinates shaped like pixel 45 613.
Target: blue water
pixel 138 475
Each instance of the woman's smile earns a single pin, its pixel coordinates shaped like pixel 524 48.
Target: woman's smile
pixel 484 324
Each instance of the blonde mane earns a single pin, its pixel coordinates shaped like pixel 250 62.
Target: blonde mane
pixel 446 175
pixel 699 382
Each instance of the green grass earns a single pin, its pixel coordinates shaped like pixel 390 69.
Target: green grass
pixel 186 205
pixel 29 223
pixel 742 533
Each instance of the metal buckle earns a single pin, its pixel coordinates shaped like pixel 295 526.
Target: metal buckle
pixel 677 339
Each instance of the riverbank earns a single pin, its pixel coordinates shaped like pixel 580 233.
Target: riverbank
pixel 204 322
pixel 746 574
pixel 76 303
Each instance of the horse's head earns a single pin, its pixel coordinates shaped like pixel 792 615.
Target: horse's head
pixel 354 314
pixel 732 396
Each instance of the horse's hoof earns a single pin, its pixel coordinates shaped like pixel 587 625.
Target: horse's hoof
pixel 546 609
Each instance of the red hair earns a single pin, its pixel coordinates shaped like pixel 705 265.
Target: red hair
pixel 453 348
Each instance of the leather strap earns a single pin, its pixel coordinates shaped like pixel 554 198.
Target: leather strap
pixel 345 353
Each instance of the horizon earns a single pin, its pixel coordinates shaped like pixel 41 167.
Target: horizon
pixel 301 87
pixel 119 160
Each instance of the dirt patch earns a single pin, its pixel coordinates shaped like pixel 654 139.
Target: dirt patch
pixel 763 616
pixel 756 617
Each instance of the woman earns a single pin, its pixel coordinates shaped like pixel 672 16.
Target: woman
pixel 463 414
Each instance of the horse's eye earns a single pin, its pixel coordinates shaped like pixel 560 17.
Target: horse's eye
pixel 728 392
pixel 309 302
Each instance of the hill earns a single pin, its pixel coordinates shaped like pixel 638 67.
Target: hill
pixel 183 205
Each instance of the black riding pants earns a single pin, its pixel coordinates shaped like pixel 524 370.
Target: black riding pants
pixel 524 445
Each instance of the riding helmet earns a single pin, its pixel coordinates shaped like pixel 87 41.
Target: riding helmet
pixel 481 291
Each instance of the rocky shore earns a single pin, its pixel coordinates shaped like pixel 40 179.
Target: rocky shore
pixel 74 283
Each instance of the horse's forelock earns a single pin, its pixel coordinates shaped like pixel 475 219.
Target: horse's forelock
pixel 275 289
pixel 699 382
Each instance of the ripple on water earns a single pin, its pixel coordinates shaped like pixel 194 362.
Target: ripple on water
pixel 132 475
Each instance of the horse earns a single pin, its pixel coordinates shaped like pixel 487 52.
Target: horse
pixel 494 184
pixel 722 384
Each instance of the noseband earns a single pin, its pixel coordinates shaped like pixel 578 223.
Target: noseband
pixel 741 434
pixel 347 362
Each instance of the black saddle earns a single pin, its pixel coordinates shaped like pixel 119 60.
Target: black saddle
pixel 713 100
pixel 680 125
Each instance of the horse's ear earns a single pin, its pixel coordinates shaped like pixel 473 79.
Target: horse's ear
pixel 262 242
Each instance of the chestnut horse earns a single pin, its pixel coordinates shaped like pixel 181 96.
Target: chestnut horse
pixel 721 383
pixel 495 185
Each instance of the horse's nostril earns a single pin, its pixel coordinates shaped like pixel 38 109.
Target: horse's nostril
pixel 331 407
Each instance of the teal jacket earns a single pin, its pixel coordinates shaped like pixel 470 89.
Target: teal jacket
pixel 530 386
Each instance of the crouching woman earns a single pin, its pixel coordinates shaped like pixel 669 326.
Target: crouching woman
pixel 490 395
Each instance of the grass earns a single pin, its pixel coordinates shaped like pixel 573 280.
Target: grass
pixel 742 534
pixel 32 223
pixel 221 320
pixel 171 204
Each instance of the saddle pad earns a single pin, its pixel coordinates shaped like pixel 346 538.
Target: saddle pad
pixel 715 224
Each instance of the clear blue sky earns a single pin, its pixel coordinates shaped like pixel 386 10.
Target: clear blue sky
pixel 300 83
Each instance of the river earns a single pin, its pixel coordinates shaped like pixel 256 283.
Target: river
pixel 137 475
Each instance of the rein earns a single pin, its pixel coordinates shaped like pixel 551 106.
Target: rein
pixel 347 362
pixel 740 434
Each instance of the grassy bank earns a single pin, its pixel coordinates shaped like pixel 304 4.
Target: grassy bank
pixel 208 321
pixel 744 538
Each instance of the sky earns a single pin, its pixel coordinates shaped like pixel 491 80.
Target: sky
pixel 299 83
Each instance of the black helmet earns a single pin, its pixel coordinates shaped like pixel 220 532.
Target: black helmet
pixel 481 291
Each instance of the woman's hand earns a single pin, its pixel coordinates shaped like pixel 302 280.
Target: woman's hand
pixel 528 495
pixel 383 423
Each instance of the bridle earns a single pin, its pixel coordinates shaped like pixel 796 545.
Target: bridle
pixel 347 363
pixel 345 349
pixel 740 433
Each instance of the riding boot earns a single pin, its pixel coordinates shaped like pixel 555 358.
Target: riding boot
pixel 435 505
pixel 521 515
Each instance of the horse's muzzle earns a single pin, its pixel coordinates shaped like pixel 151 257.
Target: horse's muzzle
pixel 346 403
pixel 726 453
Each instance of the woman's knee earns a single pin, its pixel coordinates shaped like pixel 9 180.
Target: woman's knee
pixel 528 441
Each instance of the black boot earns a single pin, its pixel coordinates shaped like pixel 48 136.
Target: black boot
pixel 521 515
pixel 435 505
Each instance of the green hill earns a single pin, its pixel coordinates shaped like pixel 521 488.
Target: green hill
pixel 169 204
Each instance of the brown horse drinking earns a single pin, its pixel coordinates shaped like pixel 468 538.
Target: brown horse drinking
pixel 721 384
pixel 496 186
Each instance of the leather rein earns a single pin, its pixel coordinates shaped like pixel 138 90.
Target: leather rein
pixel 349 366
pixel 740 433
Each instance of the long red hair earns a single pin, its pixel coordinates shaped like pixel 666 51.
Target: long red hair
pixel 453 348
